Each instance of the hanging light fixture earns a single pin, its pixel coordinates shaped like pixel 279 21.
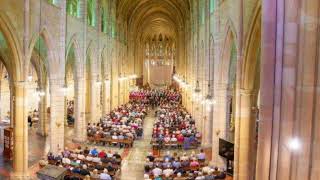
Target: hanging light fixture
pixel 98 82
pixel 209 101
pixel 64 90
pixel 197 92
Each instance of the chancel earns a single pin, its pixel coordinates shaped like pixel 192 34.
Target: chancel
pixel 159 89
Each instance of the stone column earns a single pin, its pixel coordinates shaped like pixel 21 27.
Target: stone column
pixel 43 129
pixel 94 99
pixel 57 109
pixel 207 130
pixel 219 125
pixel 107 96
pixel 20 134
pixel 247 136
pixel 80 133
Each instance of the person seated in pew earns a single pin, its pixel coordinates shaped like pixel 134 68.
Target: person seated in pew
pixel 109 167
pixel 150 157
pixel 89 157
pixel 117 155
pixel 194 163
pixel 94 152
pixel 179 177
pixel 109 154
pixel 81 156
pixel 201 156
pixel 76 170
pixel 168 171
pixel 146 177
pixel 157 177
pixel 157 171
pixel 94 174
pixel 99 166
pixel 50 156
pixel 96 159
pixel 105 175
pixel 200 176
pixel 84 171
pixel 66 152
pixel 102 154
pixel 176 163
pixel 210 176
pixel 167 156
pixel 66 160
pixel 167 163
pixel 86 151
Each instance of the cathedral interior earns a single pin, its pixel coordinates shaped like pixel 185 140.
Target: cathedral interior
pixel 160 89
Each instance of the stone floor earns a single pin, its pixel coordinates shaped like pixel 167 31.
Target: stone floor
pixel 36 151
pixel 133 164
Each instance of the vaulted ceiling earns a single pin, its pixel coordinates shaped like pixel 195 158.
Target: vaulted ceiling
pixel 145 18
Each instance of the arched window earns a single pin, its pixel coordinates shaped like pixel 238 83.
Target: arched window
pixel 54 2
pixel 104 22
pixel 212 6
pixel 91 12
pixel 113 29
pixel 73 7
pixel 202 12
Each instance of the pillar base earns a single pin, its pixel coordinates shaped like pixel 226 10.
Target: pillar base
pixel 20 176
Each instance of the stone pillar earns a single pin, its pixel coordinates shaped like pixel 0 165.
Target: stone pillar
pixel 43 129
pixel 94 99
pixel 207 129
pixel 219 125
pixel 57 109
pixel 107 94
pixel 247 136
pixel 80 133
pixel 20 134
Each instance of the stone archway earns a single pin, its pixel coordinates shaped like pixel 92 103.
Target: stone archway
pixel 11 58
pixel 249 86
pixel 223 94
pixel 75 67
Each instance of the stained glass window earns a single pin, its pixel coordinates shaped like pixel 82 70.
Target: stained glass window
pixel 104 20
pixel 202 12
pixel 73 8
pixel 91 12
pixel 54 2
pixel 212 6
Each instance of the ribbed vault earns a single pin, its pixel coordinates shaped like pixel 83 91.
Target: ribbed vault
pixel 146 18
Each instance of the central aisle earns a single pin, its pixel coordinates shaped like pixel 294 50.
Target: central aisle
pixel 133 164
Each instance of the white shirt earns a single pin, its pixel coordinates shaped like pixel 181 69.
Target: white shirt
pixel 157 171
pixel 168 172
pixel 96 159
pixel 105 176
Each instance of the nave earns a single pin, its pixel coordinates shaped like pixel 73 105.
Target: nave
pixel 247 71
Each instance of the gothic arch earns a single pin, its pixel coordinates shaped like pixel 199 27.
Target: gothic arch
pixel 251 63
pixel 224 64
pixel 14 66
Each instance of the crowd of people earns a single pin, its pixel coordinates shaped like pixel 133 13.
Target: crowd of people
pixel 86 163
pixel 174 126
pixel 154 97
pixel 124 122
pixel 184 167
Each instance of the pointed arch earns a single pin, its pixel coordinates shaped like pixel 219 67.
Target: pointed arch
pixel 14 66
pixel 229 45
pixel 251 64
